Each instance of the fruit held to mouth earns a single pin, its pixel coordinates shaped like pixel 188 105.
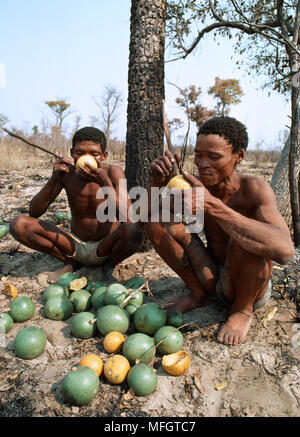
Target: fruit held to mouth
pixel 89 159
pixel 178 182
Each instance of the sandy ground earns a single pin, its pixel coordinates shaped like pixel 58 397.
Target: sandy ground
pixel 262 375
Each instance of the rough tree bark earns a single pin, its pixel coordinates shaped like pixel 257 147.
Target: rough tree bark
pixel 145 134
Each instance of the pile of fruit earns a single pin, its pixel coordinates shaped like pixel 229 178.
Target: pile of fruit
pixel 116 308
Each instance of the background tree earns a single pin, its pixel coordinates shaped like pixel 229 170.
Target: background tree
pixel 144 139
pixel 60 109
pixel 269 32
pixel 226 92
pixel 108 104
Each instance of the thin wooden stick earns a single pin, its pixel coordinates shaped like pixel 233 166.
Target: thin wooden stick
pixel 30 144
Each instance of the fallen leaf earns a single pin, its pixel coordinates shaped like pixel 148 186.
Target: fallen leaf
pixel 269 316
pixel 197 379
pixel 221 385
pixel 10 290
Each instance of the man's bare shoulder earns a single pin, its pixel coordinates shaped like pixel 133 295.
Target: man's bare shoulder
pixel 115 172
pixel 255 187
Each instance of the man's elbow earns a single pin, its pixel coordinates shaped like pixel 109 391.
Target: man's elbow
pixel 286 254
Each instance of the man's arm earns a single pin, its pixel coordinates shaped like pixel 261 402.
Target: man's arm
pixel 266 234
pixel 41 201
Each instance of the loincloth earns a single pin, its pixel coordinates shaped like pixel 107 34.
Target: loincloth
pixel 86 251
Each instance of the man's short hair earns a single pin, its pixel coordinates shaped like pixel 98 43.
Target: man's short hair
pixel 231 129
pixel 89 133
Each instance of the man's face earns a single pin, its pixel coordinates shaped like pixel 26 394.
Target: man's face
pixel 214 159
pixel 88 147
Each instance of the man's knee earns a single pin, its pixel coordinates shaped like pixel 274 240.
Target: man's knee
pixel 19 225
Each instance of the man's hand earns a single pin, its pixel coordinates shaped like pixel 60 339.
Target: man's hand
pixel 98 175
pixel 162 168
pixel 62 167
pixel 197 197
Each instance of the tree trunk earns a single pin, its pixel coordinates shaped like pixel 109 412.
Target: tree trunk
pixel 280 184
pixel 145 134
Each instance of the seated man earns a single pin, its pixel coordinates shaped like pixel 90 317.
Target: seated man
pixel 89 242
pixel 244 230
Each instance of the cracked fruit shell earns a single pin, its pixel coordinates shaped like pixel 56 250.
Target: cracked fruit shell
pixel 21 309
pixel 142 379
pixel 30 342
pixel 176 364
pixel 80 385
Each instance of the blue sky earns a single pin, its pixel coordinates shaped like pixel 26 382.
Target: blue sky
pixel 73 48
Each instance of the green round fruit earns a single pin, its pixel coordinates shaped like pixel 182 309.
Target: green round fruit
pixel 58 308
pixel 172 342
pixel 1 221
pixel 139 346
pixel 81 300
pixel 30 342
pixel 135 283
pixel 98 298
pixel 148 318
pixel 142 379
pixel 96 285
pixel 175 318
pixel 6 323
pixel 66 278
pixel 3 230
pixel 60 216
pixel 137 299
pixel 82 327
pixel 68 216
pixel 131 309
pixel 112 318
pixel 115 294
pixel 80 385
pixel 55 290
pixel 21 309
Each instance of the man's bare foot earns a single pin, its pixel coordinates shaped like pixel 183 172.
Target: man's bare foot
pixel 235 329
pixel 187 303
pixel 68 268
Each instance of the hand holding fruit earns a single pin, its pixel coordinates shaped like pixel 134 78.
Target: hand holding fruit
pixel 163 168
pixel 92 170
pixel 62 167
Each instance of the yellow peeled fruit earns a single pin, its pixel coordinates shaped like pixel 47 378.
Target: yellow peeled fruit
pixel 86 158
pixel 178 182
pixel 78 284
pixel 176 364
pixel 116 369
pixel 92 361
pixel 113 342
